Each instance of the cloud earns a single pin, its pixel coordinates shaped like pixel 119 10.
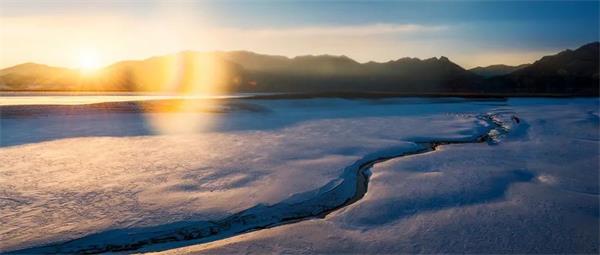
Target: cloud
pixel 356 30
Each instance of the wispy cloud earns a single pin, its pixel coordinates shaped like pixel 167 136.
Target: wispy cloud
pixel 355 30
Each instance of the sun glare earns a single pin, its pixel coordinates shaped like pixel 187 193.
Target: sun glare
pixel 89 60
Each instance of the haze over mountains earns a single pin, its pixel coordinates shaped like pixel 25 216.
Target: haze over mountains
pixel 495 70
pixel 570 72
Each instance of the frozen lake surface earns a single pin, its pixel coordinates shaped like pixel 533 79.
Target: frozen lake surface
pixel 78 98
pixel 121 173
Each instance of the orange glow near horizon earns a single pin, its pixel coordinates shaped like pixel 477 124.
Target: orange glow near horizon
pixel 127 38
pixel 187 74
pixel 89 60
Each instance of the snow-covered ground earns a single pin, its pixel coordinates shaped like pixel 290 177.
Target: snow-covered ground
pixel 70 174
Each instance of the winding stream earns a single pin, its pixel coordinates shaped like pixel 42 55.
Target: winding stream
pixel 325 200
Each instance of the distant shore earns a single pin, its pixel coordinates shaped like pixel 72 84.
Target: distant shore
pixel 354 94
pixel 295 95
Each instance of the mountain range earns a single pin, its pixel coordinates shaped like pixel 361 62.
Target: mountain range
pixel 496 70
pixel 570 72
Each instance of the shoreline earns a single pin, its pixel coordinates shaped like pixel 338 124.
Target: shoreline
pixel 296 95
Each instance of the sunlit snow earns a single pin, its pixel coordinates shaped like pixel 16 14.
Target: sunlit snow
pixel 73 173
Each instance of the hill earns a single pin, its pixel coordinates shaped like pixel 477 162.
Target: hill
pixel 495 70
pixel 571 72
pixel 568 72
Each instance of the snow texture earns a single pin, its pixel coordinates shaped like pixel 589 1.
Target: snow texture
pixel 66 176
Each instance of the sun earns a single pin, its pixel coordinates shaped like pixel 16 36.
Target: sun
pixel 89 60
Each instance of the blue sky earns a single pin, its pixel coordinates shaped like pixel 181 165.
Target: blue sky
pixel 469 32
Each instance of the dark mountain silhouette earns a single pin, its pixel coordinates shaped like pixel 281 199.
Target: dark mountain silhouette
pixel 496 70
pixel 331 73
pixel 567 73
pixel 188 71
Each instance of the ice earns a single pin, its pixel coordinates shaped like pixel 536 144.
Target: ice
pixel 66 176
pixel 534 192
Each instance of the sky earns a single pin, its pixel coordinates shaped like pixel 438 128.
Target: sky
pixel 470 33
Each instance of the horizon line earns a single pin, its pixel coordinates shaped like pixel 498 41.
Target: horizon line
pixel 288 57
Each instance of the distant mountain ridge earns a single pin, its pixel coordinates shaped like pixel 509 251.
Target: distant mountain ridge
pixel 495 70
pixel 568 72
